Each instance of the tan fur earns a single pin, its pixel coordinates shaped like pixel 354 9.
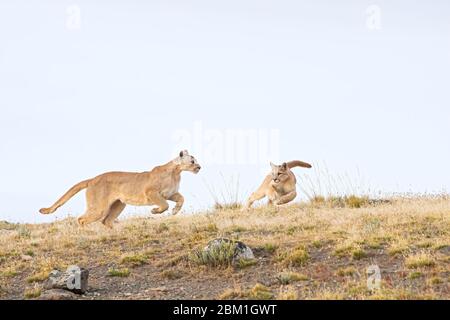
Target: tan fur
pixel 109 193
pixel 279 186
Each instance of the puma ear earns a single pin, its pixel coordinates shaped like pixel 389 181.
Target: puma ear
pixel 183 153
pixel 284 165
pixel 272 165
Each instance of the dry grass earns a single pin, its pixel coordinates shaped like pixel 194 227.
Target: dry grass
pixel 288 293
pixel 134 260
pixel 419 260
pixel 297 257
pixel 32 293
pixel 290 277
pixel 219 256
pixel 122 273
pixel 303 251
pixel 257 292
pixel 172 274
pixel 347 271
pixel 260 292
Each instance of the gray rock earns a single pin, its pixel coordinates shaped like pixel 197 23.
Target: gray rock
pixel 57 294
pixel 241 250
pixel 74 279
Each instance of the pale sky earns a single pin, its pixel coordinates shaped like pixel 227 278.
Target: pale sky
pixel 333 83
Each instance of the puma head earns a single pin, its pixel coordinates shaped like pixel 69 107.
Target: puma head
pixel 187 162
pixel 279 173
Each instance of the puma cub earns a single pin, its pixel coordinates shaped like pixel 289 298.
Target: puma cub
pixel 279 186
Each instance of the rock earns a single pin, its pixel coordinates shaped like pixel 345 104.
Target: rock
pixel 57 294
pixel 241 250
pixel 74 279
pixel 445 250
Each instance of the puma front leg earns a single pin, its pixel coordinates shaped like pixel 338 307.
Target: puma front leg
pixel 179 200
pixel 286 198
pixel 255 196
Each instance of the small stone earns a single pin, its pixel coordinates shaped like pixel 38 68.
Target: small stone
pixel 57 294
pixel 158 289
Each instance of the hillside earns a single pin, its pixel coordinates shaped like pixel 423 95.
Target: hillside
pixel 318 250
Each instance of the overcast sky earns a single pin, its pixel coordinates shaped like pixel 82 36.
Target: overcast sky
pixel 360 88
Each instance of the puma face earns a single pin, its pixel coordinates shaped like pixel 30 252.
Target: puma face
pixel 188 162
pixel 279 173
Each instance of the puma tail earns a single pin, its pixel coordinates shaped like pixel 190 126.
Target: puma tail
pixel 69 194
pixel 296 163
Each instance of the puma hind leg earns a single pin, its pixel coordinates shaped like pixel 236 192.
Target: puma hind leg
pixel 286 198
pixel 114 211
pixel 91 215
pixel 98 205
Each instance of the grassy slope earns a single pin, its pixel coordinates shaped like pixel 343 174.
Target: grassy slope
pixel 303 251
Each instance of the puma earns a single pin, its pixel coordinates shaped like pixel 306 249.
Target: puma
pixel 109 193
pixel 279 186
